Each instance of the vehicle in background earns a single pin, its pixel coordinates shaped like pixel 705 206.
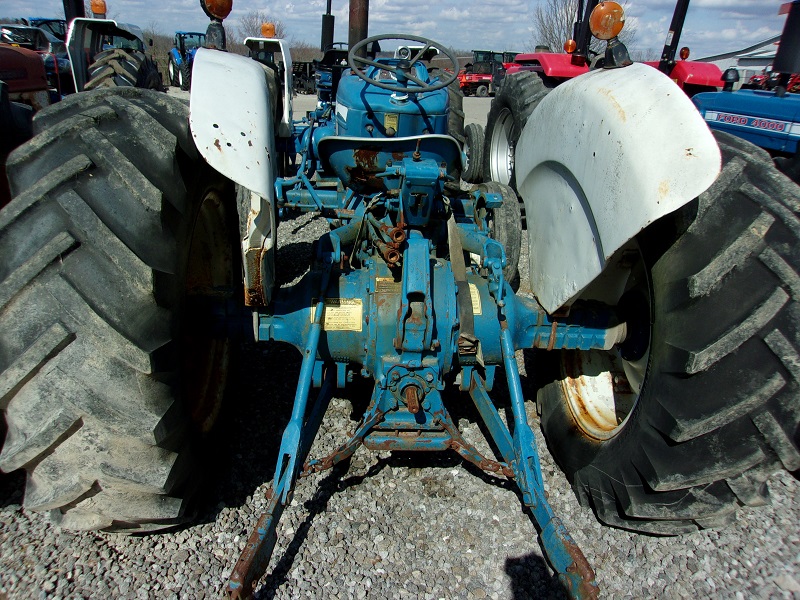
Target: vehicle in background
pixel 691 76
pixel 56 27
pixel 769 80
pixel 303 77
pixel 769 117
pixel 181 57
pixel 52 51
pixel 482 76
pixel 105 53
pixel 24 89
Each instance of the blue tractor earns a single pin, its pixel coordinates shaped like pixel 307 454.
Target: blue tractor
pixel 769 119
pixel 181 56
pixel 660 323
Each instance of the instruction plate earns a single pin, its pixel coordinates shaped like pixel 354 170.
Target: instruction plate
pixel 340 314
pixel 386 285
pixel 475 296
pixel 391 120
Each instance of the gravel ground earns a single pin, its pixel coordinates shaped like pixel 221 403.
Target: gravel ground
pixel 384 526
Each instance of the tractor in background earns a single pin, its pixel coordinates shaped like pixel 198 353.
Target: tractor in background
pixel 481 76
pixel 52 51
pixel 555 68
pixel 660 319
pixel 181 56
pixel 56 27
pixel 104 53
pixel 519 93
pixel 769 118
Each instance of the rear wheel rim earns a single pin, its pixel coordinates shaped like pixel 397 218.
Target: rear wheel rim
pixel 209 274
pixel 501 148
pixel 602 388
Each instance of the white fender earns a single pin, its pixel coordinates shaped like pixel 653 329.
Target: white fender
pixel 601 157
pixel 230 117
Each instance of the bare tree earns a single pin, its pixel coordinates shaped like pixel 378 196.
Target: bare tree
pixel 250 25
pixel 553 22
pixel 304 51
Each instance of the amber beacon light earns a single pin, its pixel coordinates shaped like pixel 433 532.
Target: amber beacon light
pixel 607 20
pixel 219 9
pixel 268 30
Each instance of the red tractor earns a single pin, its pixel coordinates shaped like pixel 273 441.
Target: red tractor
pixel 555 68
pixel 480 77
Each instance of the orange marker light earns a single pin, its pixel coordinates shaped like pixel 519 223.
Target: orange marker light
pixel 570 46
pixel 218 8
pixel 684 53
pixel 606 20
pixel 268 30
pixel 99 7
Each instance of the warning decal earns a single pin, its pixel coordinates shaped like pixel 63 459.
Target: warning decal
pixel 340 314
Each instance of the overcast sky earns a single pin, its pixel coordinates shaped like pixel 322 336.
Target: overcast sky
pixel 712 26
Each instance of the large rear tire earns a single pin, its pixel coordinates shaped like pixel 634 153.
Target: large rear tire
pixel 700 405
pixel 115 68
pixel 116 221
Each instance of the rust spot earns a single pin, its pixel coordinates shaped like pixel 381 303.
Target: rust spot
pixel 366 158
pixel 587 588
pixel 411 395
pixel 663 189
pixel 218 145
pixel 254 294
pixel 610 95
pixel 552 341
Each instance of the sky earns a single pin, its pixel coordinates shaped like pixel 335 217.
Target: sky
pixel 712 26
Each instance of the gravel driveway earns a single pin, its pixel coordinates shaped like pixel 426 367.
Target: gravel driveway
pixel 384 526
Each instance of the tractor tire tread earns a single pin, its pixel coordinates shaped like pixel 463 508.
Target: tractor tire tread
pixel 474 135
pixel 186 76
pixel 81 321
pixel 696 462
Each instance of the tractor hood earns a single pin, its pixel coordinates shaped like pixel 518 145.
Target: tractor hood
pixel 758 116
pixel 369 111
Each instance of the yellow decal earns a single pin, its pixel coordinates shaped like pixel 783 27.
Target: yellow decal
pixel 386 285
pixel 340 314
pixel 391 120
pixel 475 295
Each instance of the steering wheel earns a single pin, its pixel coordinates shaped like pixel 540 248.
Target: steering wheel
pixel 403 70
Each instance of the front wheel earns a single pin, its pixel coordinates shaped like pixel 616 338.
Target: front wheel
pixel 690 415
pixel 109 391
pixel 508 115
pixel 473 150
pixel 172 72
